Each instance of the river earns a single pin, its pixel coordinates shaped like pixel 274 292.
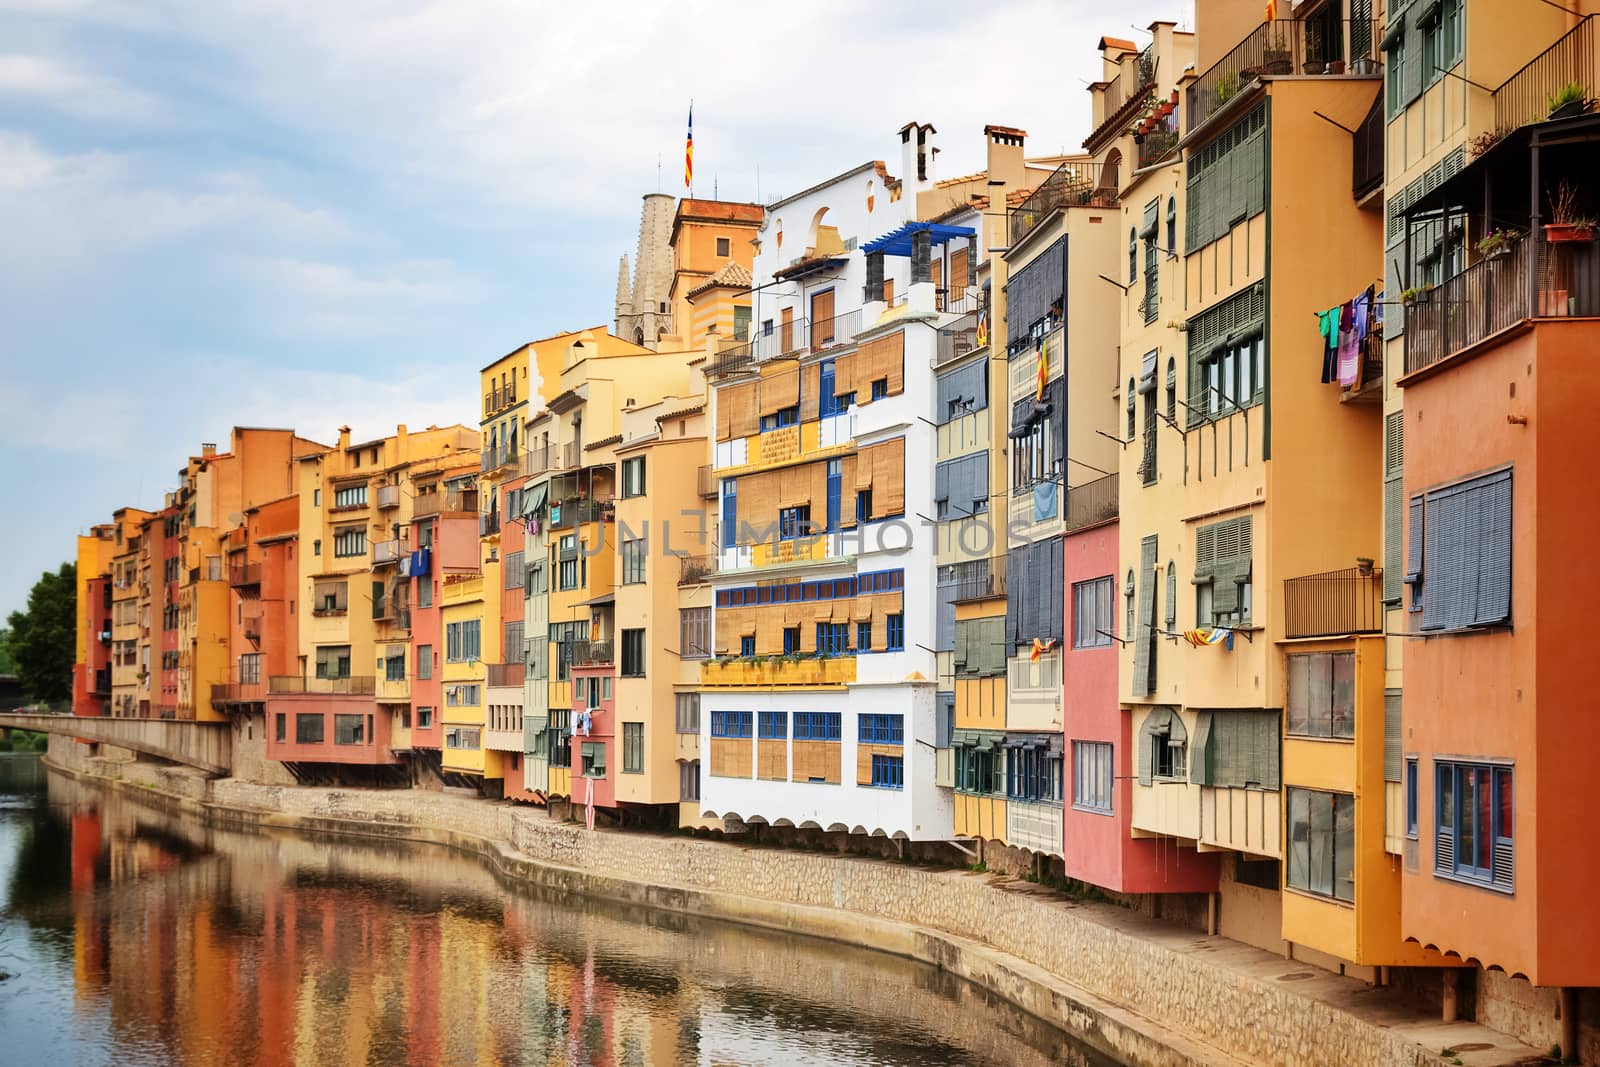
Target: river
pixel 132 936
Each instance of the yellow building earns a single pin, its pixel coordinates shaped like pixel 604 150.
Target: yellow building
pixel 713 245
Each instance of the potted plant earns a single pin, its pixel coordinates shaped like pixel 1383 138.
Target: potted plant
pixel 1565 224
pixel 1227 86
pixel 1571 99
pixel 1313 66
pixel 1276 58
pixel 1364 566
pixel 1336 66
pixel 1414 296
pixel 1481 143
pixel 1497 242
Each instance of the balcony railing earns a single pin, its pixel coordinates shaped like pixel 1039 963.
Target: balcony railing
pixel 1072 184
pixel 1130 84
pixel 591 652
pixel 960 299
pixel 834 332
pixel 1160 142
pixel 1484 299
pixel 785 339
pixel 497 456
pixel 695 570
pixel 981 579
pixel 388 496
pixel 238 693
pixel 1092 502
pixel 489 524
pixel 570 513
pixel 1366 160
pixel 506 675
pixel 541 458
pixel 452 501
pixel 706 482
pixel 1284 46
pixel 250 623
pixel 244 574
pixel 354 685
pixel 1333 603
pixel 959 338
pixel 102 680
pixel 386 552
pixel 1525 97
pixel 497 399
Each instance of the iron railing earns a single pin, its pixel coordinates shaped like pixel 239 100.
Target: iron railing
pixel 591 652
pixel 1285 46
pixel 981 579
pixel 835 332
pixel 575 512
pixel 386 552
pixel 242 574
pixel 1130 84
pixel 958 338
pixel 1071 184
pixel 488 523
pixel 1092 502
pixel 497 398
pixel 695 570
pixel 1366 157
pixel 959 299
pixel 1484 299
pixel 1525 97
pixel 1160 142
pixel 352 685
pixel 503 675
pixel 493 458
pixel 102 680
pixel 541 458
pixel 1333 603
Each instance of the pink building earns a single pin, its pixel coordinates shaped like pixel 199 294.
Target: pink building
pixel 1099 845
pixel 595 754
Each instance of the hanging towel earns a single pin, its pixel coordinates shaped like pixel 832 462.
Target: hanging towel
pixel 1349 352
pixel 1362 310
pixel 1328 326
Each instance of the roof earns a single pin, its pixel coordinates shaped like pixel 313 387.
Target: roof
pixel 876 164
pixel 897 242
pixel 732 276
pixel 809 266
pixel 730 212
pixel 681 413
pixel 945 182
pixel 1117 42
pixel 603 442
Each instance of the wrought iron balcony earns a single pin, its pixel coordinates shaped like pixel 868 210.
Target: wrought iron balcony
pixel 981 579
pixel 696 570
pixel 1525 97
pixel 1333 603
pixel 386 552
pixel 1092 502
pixel 1071 185
pixel 541 458
pixel 570 513
pixel 1285 46
pixel 1160 141
pixel 1482 300
pixel 591 653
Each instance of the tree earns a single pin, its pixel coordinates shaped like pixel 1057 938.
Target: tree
pixel 43 640
pixel 7 664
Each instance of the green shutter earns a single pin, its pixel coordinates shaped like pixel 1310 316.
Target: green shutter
pixel 1143 770
pixel 1144 648
pixel 1202 754
pixel 1392 743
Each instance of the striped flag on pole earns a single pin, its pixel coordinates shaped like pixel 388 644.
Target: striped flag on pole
pixel 688 152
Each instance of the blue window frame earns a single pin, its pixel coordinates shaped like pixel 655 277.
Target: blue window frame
pixel 816 726
pixel 888 772
pixel 863 637
pixel 863 505
pixel 897 633
pixel 747 645
pixel 1473 819
pixel 880 388
pixel 791 639
pixel 1411 798
pixel 730 510
pixel 833 638
pixel 835 472
pixel 794 522
pixel 789 416
pixel 773 725
pixel 730 724
pixel 881 729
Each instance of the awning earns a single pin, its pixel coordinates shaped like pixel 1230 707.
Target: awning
pixel 978 739
pixel 533 500
pixel 898 242
pixel 1147 373
pixel 597 602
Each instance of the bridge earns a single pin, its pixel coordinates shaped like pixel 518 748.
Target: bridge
pixel 207 746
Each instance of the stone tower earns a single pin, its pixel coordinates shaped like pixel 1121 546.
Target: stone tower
pixel 645 313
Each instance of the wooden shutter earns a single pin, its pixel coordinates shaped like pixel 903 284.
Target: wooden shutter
pixel 1231 563
pixel 1449 545
pixel 958 273
pixel 881 358
pixel 811 391
pixel 780 390
pixel 1394 496
pixel 887 463
pixel 1144 648
pixel 1143 768
pixel 740 401
pixel 888 290
pixel 1417 536
pixel 786 331
pixel 822 327
pixel 1392 743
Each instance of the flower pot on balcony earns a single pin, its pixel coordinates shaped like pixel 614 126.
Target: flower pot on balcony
pixel 1568 232
pixel 1336 66
pixel 1554 303
pixel 1364 66
pixel 1313 68
pixel 1364 566
pixel 1569 109
pixel 1138 138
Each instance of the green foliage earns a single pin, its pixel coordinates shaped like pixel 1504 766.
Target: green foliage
pixel 1227 86
pixel 41 640
pixel 978 868
pixel 7 664
pixel 1570 93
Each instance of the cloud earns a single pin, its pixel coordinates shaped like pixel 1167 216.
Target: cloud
pixel 77 92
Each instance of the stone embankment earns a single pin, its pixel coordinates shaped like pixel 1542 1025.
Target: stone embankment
pixel 1142 992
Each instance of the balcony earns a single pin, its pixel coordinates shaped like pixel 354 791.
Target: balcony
pixel 785 339
pixel 506 675
pixel 1366 160
pixel 452 501
pixel 575 512
pixel 294 684
pixel 489 524
pixel 244 574
pixel 1071 185
pixel 386 552
pixel 238 693
pixel 493 458
pixel 251 623
pixel 1484 299
pixel 1524 97
pixel 696 570
pixel 778 670
pixel 1159 142
pixel 833 333
pixel 981 579
pixel 102 681
pixel 1333 604
pixel 590 653
pixel 706 483
pixel 960 338
pixel 498 399
pixel 1092 502
pixel 388 496
pixel 541 458
pixel 1130 85
pixel 1285 46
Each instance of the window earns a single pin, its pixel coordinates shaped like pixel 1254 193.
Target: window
pixel 350 541
pixel 747 645
pixel 1168 757
pixel 694 633
pixel 688 712
pixel 863 506
pixel 1172 224
pixel 563 635
pixel 462 696
pixel 863 636
pixel 463 640
pixel 316 501
pixel 961 487
pixel 1321 695
pixel 1092 776
pixel 394 665
pixel 281 727
pixel 833 638
pixel 794 522
pixel 424 661
pixel 1152 261
pixel 896 625
pixel 424 718
pixel 633 554
pixel 723 246
pixel 689 781
pixel 1163 741
pixel 424 592
pixel 308 729
pixel 791 639
pixel 316 547
pixel 333 661
pixel 732 723
pixel 567 550
pixel 349 730
pixel 633 476
pixel 1033 773
pixel 1322 843
pixel 881 729
pixel 594 759
pixel 888 772
pixel 1093 612
pixel 559 733
pixel 816 726
pixel 979 770
pixel 250 668
pixel 514 570
pixel 1133 254
pixel 789 416
pixel 962 391
pixel 1473 823
pixel 633 748
pixel 350 496
pixel 1411 797
pixel 1172 389
pixel 1459 562
pixel 880 388
pixel 1227 356
pixel 633 653
pixel 1222 575
pixel 772 725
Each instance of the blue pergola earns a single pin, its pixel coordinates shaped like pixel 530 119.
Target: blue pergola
pixel 898 242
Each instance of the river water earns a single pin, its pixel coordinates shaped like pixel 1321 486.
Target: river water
pixel 134 937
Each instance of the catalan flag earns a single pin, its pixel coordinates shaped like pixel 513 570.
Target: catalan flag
pixel 983 329
pixel 1040 647
pixel 688 152
pixel 1272 10
pixel 1044 370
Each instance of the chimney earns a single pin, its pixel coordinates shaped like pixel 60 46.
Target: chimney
pixel 344 437
pixel 400 439
pixel 1005 156
pixel 208 448
pixel 910 143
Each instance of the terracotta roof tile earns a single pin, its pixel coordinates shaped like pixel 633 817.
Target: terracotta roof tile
pixel 1117 42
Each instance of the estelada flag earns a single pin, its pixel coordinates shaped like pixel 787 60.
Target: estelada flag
pixel 1040 648
pixel 688 151
pixel 983 328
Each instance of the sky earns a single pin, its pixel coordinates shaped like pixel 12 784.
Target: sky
pixel 311 214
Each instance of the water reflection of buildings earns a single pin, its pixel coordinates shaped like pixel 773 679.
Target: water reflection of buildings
pixel 203 945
